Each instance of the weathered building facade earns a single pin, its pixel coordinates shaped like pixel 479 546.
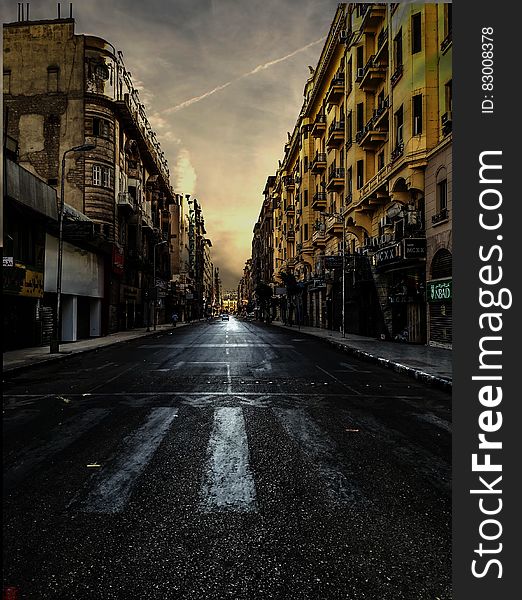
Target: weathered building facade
pixel 63 90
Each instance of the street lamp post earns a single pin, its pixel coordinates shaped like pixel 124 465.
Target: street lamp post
pixel 54 347
pixel 155 299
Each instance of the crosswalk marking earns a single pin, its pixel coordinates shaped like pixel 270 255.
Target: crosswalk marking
pixel 315 445
pixel 193 346
pixel 228 484
pixel 61 437
pixel 114 483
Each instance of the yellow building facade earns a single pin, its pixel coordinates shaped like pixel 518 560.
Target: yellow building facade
pixel 351 185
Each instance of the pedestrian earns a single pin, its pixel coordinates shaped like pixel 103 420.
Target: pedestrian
pixel 174 318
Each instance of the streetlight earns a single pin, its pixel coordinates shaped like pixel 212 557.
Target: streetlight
pixel 155 299
pixel 54 347
pixel 341 217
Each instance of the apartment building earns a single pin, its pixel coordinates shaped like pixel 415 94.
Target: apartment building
pixel 364 184
pixel 63 90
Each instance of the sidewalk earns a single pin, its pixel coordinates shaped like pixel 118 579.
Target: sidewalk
pixel 29 357
pixel 425 363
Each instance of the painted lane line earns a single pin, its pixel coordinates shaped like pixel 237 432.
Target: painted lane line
pixel 61 437
pixel 317 447
pixel 113 485
pixel 97 387
pixel 205 393
pixel 339 381
pixel 228 483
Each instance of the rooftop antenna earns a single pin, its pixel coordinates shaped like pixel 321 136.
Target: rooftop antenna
pixel 27 6
pixel 70 10
pixel 58 10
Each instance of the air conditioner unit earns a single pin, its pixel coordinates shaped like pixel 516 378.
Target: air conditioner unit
pixel 360 72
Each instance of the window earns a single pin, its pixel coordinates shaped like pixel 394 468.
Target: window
pixel 306 231
pixel 305 164
pixel 7 82
pixel 52 79
pixel 305 198
pixel 349 128
pixel 360 174
pixel 102 176
pixel 449 95
pixel 442 196
pixel 399 126
pixel 96 175
pixel 100 127
pixel 448 18
pixel 416 102
pixel 349 180
pixel 416 33
pixel 397 48
pixel 360 57
pixel 380 161
pixel 360 116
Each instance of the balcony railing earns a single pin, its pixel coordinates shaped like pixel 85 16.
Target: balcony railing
pixel 397 151
pixel 440 217
pixel 288 181
pixel 397 74
pixel 383 37
pixel 290 208
pixel 319 162
pixel 319 200
pixel 125 200
pixel 445 42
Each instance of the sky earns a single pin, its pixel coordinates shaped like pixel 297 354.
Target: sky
pixel 222 82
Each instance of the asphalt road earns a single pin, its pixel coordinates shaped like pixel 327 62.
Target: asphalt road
pixel 225 460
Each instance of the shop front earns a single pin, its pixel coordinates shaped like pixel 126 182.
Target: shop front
pixel 439 295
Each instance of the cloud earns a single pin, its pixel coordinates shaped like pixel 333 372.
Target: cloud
pixel 257 69
pixel 184 173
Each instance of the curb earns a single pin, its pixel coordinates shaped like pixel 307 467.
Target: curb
pixel 432 380
pixel 64 355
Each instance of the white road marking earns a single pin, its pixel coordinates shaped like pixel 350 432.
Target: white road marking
pixel 61 437
pixel 316 446
pixel 228 484
pixel 229 379
pixel 353 368
pixel 339 381
pixel 113 485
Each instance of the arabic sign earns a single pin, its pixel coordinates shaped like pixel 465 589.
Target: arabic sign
pixel 23 281
pixel 440 290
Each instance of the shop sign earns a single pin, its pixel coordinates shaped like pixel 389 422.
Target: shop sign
pixel 117 260
pixel 414 248
pixel 333 262
pixel 22 281
pixel 7 261
pixel 388 254
pixel 440 290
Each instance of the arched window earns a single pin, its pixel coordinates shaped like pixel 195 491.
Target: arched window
pixel 441 265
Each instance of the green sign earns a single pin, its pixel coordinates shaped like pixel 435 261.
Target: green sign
pixel 439 290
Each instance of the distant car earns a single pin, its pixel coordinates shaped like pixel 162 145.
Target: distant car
pixel 251 316
pixel 225 317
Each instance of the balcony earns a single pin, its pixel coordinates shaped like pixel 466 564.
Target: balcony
pixel 335 178
pixel 373 74
pixel 398 151
pixel 319 201
pixel 335 134
pixel 334 226
pixel 446 42
pixel 440 217
pixel 146 222
pixel 319 239
pixel 336 90
pixel 371 136
pixel 373 16
pixel 380 114
pixel 290 209
pixel 126 202
pixel 290 234
pixel 319 126
pixel 319 163
pixel 397 74
pixel 382 46
pixel 348 199
pixel 288 182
